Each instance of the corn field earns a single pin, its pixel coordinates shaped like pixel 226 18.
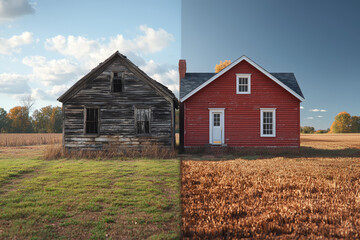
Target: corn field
pixel 28 139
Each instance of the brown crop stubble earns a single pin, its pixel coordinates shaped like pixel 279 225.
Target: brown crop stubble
pixel 276 197
pixel 271 198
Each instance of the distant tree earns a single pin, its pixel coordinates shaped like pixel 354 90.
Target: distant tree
pixel 322 131
pixel 4 121
pixel 222 65
pixel 342 123
pixel 56 120
pixel 307 129
pixel 48 120
pixel 20 120
pixel 355 124
pixel 27 101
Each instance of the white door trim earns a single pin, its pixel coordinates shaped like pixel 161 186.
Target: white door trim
pixel 222 124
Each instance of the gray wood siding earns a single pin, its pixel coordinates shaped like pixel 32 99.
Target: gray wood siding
pixel 117 113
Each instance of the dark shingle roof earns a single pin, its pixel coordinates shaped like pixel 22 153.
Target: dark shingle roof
pixel 193 80
pixel 290 81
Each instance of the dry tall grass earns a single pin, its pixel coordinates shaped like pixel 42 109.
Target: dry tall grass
pixel 275 197
pixel 28 139
pixel 152 151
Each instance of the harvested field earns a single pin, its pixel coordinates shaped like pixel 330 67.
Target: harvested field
pixel 331 141
pixel 29 139
pixel 305 196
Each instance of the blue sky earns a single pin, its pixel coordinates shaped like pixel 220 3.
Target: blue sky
pixel 317 40
pixel 47 45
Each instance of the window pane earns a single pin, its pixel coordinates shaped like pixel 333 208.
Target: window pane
pixel 92 122
pixel 216 119
pixel 268 124
pixel 117 82
pixel 243 84
pixel 142 120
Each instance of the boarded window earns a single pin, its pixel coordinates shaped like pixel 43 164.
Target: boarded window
pixel 92 121
pixel 142 120
pixel 117 82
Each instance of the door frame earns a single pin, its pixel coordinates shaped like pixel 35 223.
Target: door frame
pixel 222 124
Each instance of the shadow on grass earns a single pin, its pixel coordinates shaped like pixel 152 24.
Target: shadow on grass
pixel 254 154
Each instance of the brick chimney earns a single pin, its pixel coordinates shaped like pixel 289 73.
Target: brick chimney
pixel 182 68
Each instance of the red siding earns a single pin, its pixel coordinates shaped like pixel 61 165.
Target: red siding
pixel 242 111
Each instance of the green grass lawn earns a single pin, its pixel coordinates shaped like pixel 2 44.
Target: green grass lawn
pixel 88 199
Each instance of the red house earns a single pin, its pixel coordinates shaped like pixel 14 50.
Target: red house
pixel 241 106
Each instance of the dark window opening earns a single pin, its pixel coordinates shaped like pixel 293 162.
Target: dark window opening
pixel 92 121
pixel 117 82
pixel 142 121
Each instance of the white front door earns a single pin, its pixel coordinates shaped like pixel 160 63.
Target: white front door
pixel 216 127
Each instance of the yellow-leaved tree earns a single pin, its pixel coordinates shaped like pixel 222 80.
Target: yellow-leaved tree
pixel 342 123
pixel 222 65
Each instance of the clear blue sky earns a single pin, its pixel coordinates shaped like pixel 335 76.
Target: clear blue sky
pixel 317 40
pixel 47 45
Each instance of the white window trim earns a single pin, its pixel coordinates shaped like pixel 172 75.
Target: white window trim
pixel 262 110
pixel 222 120
pixel 242 75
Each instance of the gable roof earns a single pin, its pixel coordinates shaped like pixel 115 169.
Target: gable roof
pixel 193 82
pixel 163 90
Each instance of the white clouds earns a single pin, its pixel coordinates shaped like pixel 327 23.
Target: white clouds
pixel 319 116
pixel 88 53
pixel 317 110
pixel 91 52
pixel 153 40
pixel 163 73
pixel 77 47
pixel 58 90
pixel 51 94
pixel 10 9
pixel 7 46
pixel 310 118
pixel 13 83
pixel 168 78
pixel 51 72
pixel 80 54
pixel 301 107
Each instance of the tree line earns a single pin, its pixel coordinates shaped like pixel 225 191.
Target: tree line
pixel 18 120
pixel 343 123
pixel 49 120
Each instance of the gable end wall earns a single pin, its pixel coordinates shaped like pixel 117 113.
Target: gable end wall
pixel 242 111
pixel 117 123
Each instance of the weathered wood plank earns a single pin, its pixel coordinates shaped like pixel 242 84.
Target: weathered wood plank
pixel 117 113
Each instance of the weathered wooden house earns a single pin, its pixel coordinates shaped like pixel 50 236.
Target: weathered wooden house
pixel 117 104
pixel 241 106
